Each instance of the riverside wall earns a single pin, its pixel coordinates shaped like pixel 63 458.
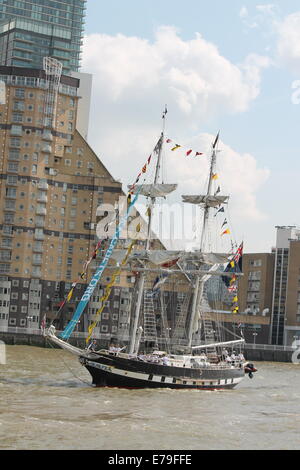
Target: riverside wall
pixel 252 353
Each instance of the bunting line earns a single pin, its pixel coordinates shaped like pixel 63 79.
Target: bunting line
pixel 188 152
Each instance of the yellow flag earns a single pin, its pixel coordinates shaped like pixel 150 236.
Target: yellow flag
pixel 70 295
pixel 176 147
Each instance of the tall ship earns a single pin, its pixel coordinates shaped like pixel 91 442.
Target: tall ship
pixel 193 355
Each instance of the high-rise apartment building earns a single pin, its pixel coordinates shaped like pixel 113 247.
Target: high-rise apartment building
pixel 51 184
pixel 33 29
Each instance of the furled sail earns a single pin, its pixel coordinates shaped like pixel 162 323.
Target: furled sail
pixel 210 201
pixel 160 257
pixel 153 190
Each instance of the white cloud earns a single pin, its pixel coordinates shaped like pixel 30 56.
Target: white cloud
pixel 134 78
pixel 261 17
pixel 192 75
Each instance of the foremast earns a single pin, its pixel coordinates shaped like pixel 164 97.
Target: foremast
pixel 136 330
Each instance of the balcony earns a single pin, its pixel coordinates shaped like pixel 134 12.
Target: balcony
pixel 36 262
pixel 47 136
pixel 43 185
pixel 10 209
pixel 38 249
pixel 40 223
pixel 41 211
pixel 39 236
pixel 46 148
pixel 42 198
pixel 36 273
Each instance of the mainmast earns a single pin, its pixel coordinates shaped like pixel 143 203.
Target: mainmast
pixel 134 341
pixel 200 279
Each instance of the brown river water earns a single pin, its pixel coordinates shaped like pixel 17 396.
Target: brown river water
pixel 47 402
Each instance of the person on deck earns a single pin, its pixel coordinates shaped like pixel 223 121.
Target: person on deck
pixel 93 346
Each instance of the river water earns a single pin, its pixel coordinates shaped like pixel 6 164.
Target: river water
pixel 47 402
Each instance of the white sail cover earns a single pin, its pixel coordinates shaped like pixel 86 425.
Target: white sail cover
pixel 160 257
pixel 153 190
pixel 211 201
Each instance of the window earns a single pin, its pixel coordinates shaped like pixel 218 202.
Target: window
pixel 15 142
pixel 20 93
pixel 17 117
pixel 16 130
pixel 18 106
pixel 12 179
pixel 11 192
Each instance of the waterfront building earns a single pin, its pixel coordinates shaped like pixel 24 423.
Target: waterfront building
pixel 255 293
pixel 285 318
pixel 269 290
pixel 33 29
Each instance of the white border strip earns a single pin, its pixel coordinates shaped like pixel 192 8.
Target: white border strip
pixel 157 378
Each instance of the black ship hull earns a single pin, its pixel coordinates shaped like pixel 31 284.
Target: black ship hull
pixel 113 371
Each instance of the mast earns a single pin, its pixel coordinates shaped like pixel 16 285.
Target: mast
pixel 198 292
pixel 134 342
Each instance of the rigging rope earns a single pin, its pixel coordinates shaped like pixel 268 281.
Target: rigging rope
pixel 108 288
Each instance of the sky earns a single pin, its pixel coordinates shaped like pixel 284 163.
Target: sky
pixel 232 67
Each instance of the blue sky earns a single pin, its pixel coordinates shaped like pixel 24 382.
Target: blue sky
pixel 261 38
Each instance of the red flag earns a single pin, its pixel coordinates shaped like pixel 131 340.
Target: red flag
pixel 168 141
pixel 149 159
pixel 188 152
pixel 43 322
